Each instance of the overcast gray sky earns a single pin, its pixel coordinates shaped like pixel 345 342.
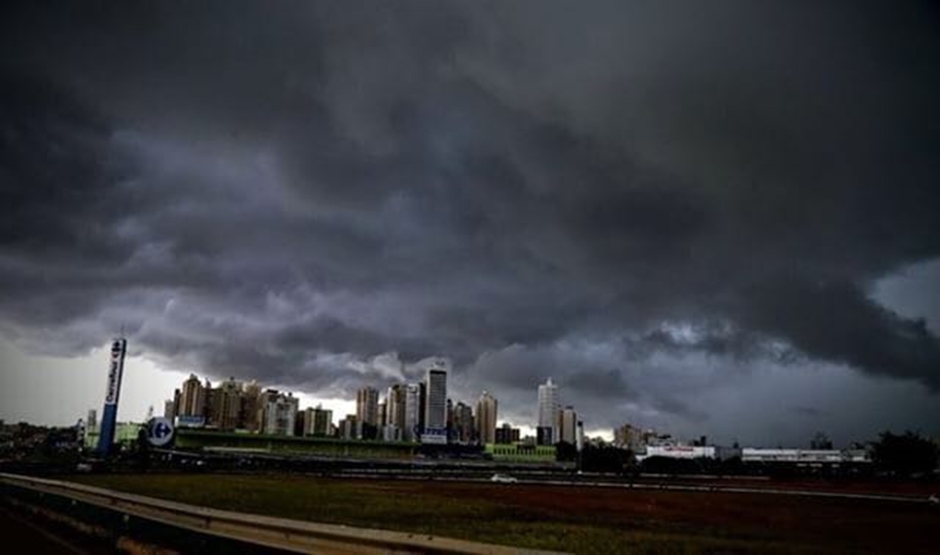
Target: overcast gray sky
pixel 710 218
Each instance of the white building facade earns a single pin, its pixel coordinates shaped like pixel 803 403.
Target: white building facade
pixel 548 409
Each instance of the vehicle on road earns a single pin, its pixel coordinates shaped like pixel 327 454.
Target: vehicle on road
pixel 503 479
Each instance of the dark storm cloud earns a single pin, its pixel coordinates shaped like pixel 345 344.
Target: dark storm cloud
pixel 837 321
pixel 50 137
pixel 527 188
pixel 808 412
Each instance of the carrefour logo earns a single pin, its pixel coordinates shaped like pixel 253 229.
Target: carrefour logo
pixel 114 377
pixel 159 431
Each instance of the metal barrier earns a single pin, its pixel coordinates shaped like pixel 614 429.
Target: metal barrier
pixel 268 532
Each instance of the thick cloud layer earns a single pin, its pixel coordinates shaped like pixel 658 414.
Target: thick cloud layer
pixel 313 194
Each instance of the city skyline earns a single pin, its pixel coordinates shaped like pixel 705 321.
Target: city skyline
pixel 197 403
pixel 342 406
pixel 717 221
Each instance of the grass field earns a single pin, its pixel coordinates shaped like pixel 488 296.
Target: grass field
pixel 578 520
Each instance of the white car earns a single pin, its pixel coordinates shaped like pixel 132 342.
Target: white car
pixel 503 479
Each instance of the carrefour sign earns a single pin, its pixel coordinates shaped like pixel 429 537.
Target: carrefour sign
pixel 114 373
pixel 159 431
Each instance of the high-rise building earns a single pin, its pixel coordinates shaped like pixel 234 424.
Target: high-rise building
pixel 266 397
pixel 111 396
pixel 449 419
pixel 507 434
pixel 628 437
pixel 350 427
pixel 300 422
pixel 169 409
pixel 322 421
pixel 548 411
pixel 410 430
pixel 170 406
pixel 250 417
pixel 213 406
pixel 367 406
pixel 422 404
pixel 306 418
pixel 226 405
pixel 567 425
pixel 395 406
pixel 382 414
pixel 192 398
pixel 464 430
pixel 486 418
pixel 435 406
pixel 544 435
pixel 278 413
pixel 393 414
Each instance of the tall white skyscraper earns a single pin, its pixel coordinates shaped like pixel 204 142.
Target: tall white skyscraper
pixel 548 410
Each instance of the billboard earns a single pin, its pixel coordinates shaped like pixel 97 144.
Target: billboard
pixel 190 421
pixel 111 396
pixel 115 371
pixel 434 435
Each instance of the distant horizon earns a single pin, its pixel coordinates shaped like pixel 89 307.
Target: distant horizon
pixel 341 407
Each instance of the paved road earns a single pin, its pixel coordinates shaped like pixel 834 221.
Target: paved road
pixel 18 530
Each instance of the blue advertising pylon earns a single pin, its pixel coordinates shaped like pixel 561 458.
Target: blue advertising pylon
pixel 111 396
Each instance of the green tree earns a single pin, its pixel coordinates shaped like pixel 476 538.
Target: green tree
pixel 820 441
pixel 565 452
pixel 904 455
pixel 606 458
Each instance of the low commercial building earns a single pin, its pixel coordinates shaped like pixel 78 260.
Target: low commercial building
pixel 191 439
pixel 520 452
pixel 825 456
pixel 125 435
